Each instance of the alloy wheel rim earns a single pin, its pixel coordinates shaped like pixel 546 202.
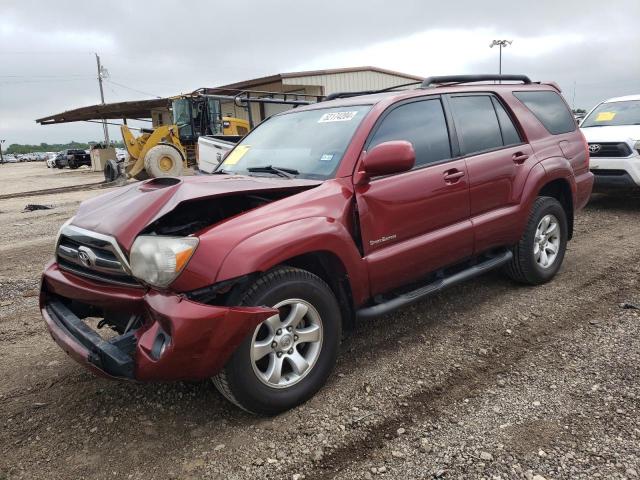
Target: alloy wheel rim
pixel 546 243
pixel 285 347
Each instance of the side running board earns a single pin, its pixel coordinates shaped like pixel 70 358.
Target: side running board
pixel 436 286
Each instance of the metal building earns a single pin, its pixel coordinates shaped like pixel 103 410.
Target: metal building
pixel 319 83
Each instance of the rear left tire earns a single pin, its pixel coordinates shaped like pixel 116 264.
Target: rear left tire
pixel 538 255
pixel 287 358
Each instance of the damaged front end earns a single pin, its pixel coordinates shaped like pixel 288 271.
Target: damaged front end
pixel 149 335
pixel 129 294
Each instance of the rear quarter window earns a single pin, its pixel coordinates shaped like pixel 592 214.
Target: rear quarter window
pixel 550 109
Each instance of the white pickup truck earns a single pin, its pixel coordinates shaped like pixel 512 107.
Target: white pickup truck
pixel 211 151
pixel 612 130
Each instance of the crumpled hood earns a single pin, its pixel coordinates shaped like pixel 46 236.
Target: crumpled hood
pixel 612 133
pixel 126 211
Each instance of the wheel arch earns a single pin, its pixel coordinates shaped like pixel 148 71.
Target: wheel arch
pixel 560 189
pixel 559 183
pixel 328 266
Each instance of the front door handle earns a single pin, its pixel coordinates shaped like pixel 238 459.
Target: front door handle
pixel 452 176
pixel 519 157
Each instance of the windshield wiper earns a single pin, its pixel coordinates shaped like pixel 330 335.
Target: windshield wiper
pixel 221 170
pixel 283 172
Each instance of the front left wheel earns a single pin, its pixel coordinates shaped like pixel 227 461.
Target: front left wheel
pixel 289 356
pixel 163 161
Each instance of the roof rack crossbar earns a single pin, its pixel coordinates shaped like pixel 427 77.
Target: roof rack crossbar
pixel 333 96
pixel 432 81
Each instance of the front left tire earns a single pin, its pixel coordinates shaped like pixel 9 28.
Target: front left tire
pixel 288 357
pixel 163 161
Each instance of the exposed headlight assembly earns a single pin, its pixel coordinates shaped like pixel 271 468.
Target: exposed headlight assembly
pixel 158 260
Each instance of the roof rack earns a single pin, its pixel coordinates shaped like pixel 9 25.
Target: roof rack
pixel 432 81
pixel 335 95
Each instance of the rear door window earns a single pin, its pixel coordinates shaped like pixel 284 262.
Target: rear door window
pixel 423 124
pixel 510 135
pixel 476 123
pixel 550 109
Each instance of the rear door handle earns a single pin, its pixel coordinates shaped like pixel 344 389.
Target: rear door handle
pixel 452 176
pixel 519 157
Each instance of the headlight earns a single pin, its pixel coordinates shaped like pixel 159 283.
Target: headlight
pixel 60 231
pixel 158 260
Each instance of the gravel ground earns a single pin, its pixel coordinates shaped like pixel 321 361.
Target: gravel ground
pixel 489 380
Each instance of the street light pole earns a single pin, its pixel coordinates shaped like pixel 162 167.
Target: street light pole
pixel 500 44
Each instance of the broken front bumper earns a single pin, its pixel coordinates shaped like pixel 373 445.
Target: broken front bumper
pixel 179 339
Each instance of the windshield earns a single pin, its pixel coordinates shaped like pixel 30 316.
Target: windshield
pixel 310 144
pixel 614 113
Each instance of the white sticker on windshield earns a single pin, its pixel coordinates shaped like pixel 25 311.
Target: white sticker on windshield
pixel 327 157
pixel 337 117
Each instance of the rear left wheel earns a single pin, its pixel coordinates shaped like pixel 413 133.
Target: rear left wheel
pixel 289 356
pixel 538 255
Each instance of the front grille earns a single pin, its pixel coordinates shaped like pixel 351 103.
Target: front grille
pixel 94 256
pixel 610 149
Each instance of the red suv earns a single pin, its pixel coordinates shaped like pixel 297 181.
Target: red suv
pixel 342 210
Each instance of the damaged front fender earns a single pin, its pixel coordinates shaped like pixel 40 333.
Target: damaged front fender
pixel 178 339
pixel 189 340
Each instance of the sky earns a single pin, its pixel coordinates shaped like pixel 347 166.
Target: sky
pixel 159 48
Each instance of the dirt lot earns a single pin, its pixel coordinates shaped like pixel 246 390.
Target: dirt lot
pixel 491 380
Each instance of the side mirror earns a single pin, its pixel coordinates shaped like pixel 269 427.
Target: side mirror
pixel 387 158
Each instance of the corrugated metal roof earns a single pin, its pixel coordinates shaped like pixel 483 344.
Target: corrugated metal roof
pixel 134 109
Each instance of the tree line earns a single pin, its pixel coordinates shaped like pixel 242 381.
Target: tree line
pixel 19 148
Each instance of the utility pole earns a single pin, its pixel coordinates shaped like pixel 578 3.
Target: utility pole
pixel 500 43
pixel 1 157
pixel 102 73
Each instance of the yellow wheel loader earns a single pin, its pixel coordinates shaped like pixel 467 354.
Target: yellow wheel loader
pixel 167 150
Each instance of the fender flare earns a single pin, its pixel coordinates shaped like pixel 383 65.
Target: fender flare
pixel 271 247
pixel 559 168
pixel 544 172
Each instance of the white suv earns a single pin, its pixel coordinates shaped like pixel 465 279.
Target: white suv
pixel 612 130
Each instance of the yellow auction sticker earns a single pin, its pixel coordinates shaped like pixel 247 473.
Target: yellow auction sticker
pixel 605 116
pixel 236 154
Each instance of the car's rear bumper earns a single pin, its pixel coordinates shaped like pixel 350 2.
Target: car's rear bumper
pixel 584 187
pixel 178 340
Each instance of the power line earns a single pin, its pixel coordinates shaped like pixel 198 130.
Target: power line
pixel 67 75
pixel 42 52
pixel 20 82
pixel 132 89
